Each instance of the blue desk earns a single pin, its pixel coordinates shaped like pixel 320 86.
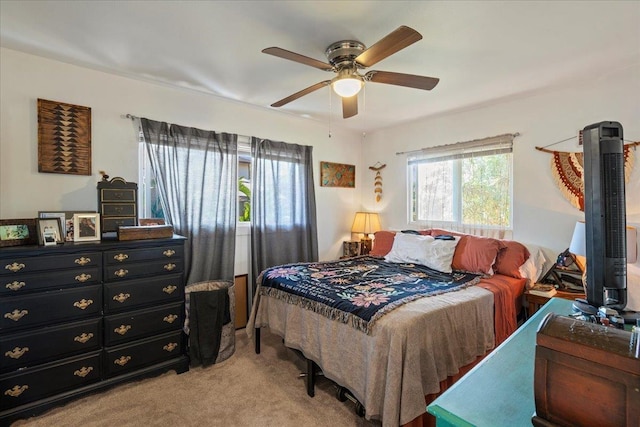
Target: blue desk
pixel 499 390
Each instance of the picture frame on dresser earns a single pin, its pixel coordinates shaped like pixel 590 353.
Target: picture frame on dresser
pixel 57 214
pixel 86 227
pixel 50 231
pixel 18 232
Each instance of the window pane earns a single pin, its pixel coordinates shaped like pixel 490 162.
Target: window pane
pixel 486 190
pixel 435 192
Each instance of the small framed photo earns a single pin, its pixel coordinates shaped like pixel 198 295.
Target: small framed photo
pixel 86 227
pixel 63 220
pixel 18 232
pixel 50 231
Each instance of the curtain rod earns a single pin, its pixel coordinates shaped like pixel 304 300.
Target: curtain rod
pixel 460 142
pixel 130 116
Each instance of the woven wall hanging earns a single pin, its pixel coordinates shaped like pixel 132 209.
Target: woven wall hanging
pixel 567 171
pixel 377 181
pixel 64 138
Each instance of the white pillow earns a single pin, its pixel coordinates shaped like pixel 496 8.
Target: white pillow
pixel 533 267
pixel 433 253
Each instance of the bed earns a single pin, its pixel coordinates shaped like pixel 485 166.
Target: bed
pixel 393 362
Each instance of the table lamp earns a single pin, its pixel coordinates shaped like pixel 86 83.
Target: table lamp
pixel 365 223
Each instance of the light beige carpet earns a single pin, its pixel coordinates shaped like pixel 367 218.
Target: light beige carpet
pixel 247 389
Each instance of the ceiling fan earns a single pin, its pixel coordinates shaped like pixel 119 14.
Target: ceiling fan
pixel 347 58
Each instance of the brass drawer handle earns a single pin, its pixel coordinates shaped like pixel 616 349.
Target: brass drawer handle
pixel 16 390
pixel 121 297
pixel 169 289
pixel 118 209
pixel 169 253
pixel 14 267
pixel 123 360
pixel 169 266
pixel 84 337
pixel 122 272
pixel 170 318
pixel 16 315
pixel 17 352
pixel 83 372
pixel 15 285
pixel 120 257
pixel 83 277
pixel 123 329
pixel 82 260
pixel 170 347
pixel 83 303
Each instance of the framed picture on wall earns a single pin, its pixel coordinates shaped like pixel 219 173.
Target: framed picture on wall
pixel 86 227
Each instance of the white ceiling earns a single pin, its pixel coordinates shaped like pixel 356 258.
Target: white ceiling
pixel 484 52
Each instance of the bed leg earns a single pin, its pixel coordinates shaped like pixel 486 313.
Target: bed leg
pixel 257 342
pixel 311 377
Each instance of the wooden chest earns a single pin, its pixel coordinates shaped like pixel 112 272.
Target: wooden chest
pixel 585 375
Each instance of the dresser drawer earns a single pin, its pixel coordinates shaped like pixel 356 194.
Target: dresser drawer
pixel 126 358
pixel 50 343
pixel 136 293
pixel 13 267
pixel 113 273
pixel 47 308
pixel 120 328
pixel 117 195
pixel 119 209
pixel 24 283
pixel 124 256
pixel 32 384
pixel 112 223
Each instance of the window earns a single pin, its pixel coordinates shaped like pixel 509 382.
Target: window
pixel 462 186
pixel 150 205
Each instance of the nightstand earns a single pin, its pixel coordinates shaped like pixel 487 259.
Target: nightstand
pixel 536 301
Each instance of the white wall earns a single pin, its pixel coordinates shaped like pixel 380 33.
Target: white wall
pixel 540 213
pixel 23 191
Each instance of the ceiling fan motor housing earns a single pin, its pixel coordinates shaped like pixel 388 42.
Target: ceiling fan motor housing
pixel 343 53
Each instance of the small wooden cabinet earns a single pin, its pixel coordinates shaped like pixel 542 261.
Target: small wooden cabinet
pixel 117 204
pixel 534 302
pixel 79 317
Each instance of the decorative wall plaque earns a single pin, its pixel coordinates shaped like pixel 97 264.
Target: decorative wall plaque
pixel 337 175
pixel 64 138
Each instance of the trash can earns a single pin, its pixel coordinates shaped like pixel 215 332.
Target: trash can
pixel 209 321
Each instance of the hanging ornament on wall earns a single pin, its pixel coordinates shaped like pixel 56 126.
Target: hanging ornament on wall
pixel 567 171
pixel 377 181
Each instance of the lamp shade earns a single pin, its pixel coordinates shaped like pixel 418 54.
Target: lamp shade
pixel 578 244
pixel 366 222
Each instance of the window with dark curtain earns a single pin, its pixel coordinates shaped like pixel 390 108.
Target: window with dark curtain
pixel 197 180
pixel 283 221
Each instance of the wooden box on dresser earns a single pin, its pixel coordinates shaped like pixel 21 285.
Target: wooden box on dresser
pixel 80 317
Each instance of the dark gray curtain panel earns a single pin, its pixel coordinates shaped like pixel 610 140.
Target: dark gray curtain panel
pixel 196 173
pixel 283 223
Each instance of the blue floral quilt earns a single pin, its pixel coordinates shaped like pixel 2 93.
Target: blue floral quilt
pixel 358 291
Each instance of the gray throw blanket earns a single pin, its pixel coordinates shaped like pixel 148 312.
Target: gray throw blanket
pixel 209 311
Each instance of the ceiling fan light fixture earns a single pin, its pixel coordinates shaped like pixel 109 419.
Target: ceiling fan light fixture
pixel 347 86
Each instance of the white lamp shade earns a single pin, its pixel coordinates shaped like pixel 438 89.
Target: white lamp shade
pixel 578 244
pixel 347 87
pixel 366 222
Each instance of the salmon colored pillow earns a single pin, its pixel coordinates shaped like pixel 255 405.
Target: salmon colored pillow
pixel 382 243
pixel 511 258
pixel 474 254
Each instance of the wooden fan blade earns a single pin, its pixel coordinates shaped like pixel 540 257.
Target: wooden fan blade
pixel 401 79
pixel 349 106
pixel 388 45
pixel 296 57
pixel 300 94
